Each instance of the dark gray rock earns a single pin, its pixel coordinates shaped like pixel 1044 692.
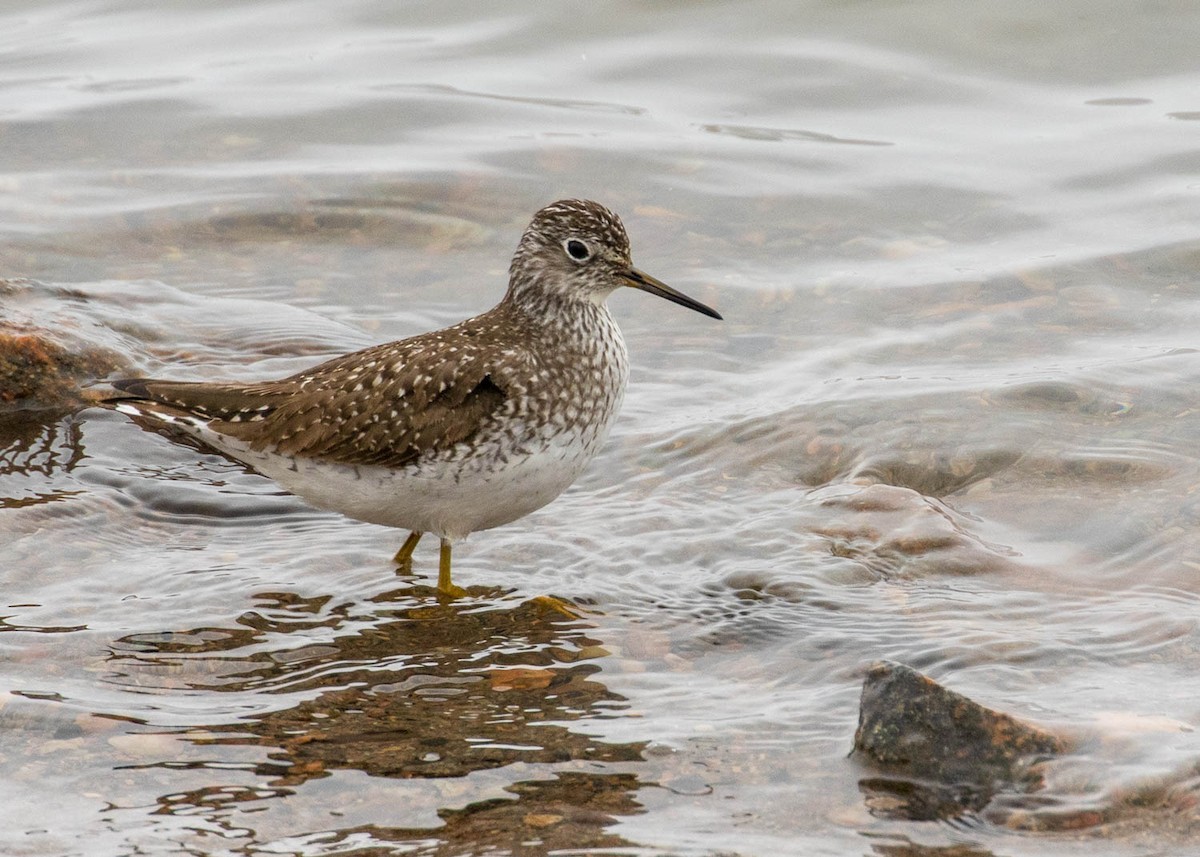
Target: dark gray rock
pixel 941 753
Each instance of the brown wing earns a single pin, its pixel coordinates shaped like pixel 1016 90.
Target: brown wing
pixel 384 405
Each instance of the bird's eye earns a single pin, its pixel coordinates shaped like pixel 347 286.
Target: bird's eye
pixel 577 250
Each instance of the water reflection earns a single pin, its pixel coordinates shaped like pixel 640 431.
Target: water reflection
pixel 909 799
pixel 902 847
pixel 410 687
pixel 34 443
pixel 568 811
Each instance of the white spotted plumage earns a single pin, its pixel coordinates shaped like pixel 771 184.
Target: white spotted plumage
pixel 452 431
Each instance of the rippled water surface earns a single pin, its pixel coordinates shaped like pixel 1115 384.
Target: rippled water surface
pixel 950 420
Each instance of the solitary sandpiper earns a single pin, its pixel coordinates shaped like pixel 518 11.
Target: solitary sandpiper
pixel 452 431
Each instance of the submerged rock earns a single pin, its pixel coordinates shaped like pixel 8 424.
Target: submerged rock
pixel 46 349
pixel 944 753
pixel 38 372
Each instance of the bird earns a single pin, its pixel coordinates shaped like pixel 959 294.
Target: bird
pixel 452 431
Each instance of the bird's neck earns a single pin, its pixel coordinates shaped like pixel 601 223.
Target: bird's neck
pixel 577 319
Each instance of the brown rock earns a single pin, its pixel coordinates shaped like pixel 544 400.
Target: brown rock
pixel 44 356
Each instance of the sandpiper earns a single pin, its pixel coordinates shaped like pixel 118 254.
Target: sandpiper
pixel 453 431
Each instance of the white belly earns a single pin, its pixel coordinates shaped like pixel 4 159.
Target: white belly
pixel 440 498
pixel 450 496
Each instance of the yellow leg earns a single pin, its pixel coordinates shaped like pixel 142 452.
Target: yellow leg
pixel 444 584
pixel 404 555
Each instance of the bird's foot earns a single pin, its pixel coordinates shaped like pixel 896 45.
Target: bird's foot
pixel 549 603
pixel 451 591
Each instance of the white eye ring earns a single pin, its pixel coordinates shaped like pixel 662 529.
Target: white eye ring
pixel 579 251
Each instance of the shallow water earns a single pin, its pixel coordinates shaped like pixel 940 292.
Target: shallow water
pixel 949 420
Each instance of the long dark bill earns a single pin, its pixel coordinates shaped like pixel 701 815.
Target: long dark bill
pixel 647 283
